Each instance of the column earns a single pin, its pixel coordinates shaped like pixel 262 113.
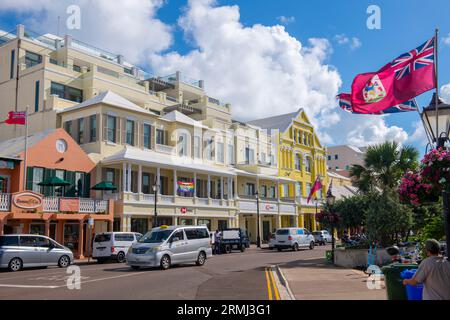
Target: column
pixel 124 177
pixel 221 188
pixel 230 188
pixel 158 177
pixel 278 221
pixel 236 187
pixel 129 178
pixel 209 186
pixel 313 222
pixel 175 220
pixel 175 184
pixel 195 184
pixel 278 191
pixel 47 228
pixel 301 218
pixel 2 226
pixel 110 225
pixel 124 224
pixel 195 221
pixel 80 239
pixel 140 179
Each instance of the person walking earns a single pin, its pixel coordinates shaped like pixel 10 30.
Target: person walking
pixel 434 273
pixel 217 239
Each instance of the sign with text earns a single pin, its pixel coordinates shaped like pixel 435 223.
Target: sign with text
pixel 27 200
pixel 69 205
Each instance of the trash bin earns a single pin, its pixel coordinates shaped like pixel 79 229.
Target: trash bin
pixel 394 283
pixel 412 292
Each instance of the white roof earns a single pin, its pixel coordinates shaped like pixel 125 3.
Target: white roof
pixel 176 116
pixel 341 192
pixel 109 98
pixel 149 157
pixel 336 175
pixel 264 176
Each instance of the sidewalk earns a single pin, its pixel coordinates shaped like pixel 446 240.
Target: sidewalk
pixel 316 279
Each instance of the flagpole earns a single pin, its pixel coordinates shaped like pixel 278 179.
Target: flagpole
pixel 25 151
pixel 436 70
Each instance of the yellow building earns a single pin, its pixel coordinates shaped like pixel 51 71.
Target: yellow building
pixel 302 158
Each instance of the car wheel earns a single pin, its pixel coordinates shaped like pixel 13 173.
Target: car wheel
pixel 295 247
pixel 121 257
pixel 165 262
pixel 15 264
pixel 242 248
pixel 311 245
pixel 64 262
pixel 201 259
pixel 228 249
pixel 279 249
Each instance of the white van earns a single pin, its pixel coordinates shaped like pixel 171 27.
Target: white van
pixel 113 245
pixel 168 245
pixel 293 238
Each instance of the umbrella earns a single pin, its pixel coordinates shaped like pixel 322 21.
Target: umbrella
pixel 104 186
pixel 54 182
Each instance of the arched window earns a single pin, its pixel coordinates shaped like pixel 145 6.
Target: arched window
pixel 298 162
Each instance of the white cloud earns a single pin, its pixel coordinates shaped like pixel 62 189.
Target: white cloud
pixel 353 43
pixel 286 20
pixel 447 40
pixel 127 27
pixel 445 93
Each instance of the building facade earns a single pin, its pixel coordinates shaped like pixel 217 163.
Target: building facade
pixel 341 158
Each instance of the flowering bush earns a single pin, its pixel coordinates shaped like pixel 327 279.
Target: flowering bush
pixel 328 218
pixel 415 190
pixel 435 168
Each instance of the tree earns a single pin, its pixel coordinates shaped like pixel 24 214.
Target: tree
pixel 384 165
pixel 352 211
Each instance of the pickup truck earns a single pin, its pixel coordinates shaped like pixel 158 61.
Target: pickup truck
pixel 235 238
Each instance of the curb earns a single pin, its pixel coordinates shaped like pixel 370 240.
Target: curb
pixel 284 282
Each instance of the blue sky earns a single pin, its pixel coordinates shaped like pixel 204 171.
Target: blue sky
pixel 405 25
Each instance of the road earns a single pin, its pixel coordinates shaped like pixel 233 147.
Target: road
pixel 236 276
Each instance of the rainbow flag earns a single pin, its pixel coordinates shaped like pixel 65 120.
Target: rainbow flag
pixel 185 186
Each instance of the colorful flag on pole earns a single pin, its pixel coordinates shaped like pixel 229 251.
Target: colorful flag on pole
pixel 345 103
pixel 316 187
pixel 185 186
pixel 16 118
pixel 403 79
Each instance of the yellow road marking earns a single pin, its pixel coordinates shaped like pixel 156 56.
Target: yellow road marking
pixel 274 284
pixel 269 289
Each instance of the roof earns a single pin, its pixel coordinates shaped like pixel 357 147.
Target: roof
pixel 354 148
pixel 14 147
pixel 176 116
pixel 337 176
pixel 109 98
pixel 341 192
pixel 280 122
pixel 264 176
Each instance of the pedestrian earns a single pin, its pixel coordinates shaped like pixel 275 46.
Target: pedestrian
pixel 217 239
pixel 434 273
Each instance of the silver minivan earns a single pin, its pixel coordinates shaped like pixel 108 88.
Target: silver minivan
pixel 25 251
pixel 170 245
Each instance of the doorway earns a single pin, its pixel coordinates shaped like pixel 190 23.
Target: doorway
pixel 266 230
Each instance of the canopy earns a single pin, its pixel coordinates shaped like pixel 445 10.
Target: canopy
pixel 104 186
pixel 54 182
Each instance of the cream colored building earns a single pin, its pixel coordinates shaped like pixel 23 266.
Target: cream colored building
pixel 146 132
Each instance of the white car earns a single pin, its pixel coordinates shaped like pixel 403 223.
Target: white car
pixel 293 238
pixel 322 237
pixel 113 245
pixel 272 241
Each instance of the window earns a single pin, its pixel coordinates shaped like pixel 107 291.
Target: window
pixel 79 184
pixel 250 189
pixel 209 150
pixel 182 145
pixel 336 157
pixel 230 154
pixel 111 128
pixel 124 236
pixel 32 59
pixel 13 62
pixel 285 190
pixel 29 241
pixel 147 136
pixel 263 191
pixel 178 234
pixel 80 135
pixel 38 177
pixel 67 93
pixel 298 189
pixel 76 68
pixel 222 224
pixel 130 132
pixel 308 189
pixel 298 162
pixel 161 137
pixel 249 155
pixel 146 181
pixel 329 158
pixel 220 152
pixel 197 147
pixel 9 241
pixel 308 164
pixel 44 242
pixel 36 96
pixel 68 127
pixel 347 167
pixel 191 234
pixel 128 71
pixel 272 193
pixel 92 128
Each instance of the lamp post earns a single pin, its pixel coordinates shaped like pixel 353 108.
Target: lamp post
pixel 330 201
pixel 439 135
pixel 258 234
pixel 155 192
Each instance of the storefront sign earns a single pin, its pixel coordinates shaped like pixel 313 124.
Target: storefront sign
pixel 270 207
pixel 27 200
pixel 184 210
pixel 69 205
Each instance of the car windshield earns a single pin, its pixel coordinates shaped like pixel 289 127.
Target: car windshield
pixel 156 236
pixel 102 238
pixel 283 232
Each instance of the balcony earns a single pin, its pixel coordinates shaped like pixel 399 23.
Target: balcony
pixel 149 199
pixel 267 205
pixel 5 202
pixel 165 149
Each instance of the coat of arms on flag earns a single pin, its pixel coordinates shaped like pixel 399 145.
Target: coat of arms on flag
pixel 374 90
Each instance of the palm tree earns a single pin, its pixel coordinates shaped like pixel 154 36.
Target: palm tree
pixel 384 165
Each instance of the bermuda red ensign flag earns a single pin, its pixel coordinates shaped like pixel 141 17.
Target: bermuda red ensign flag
pixel 316 187
pixel 16 118
pixel 403 79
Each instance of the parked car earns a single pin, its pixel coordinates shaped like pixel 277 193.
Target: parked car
pixel 113 245
pixel 293 238
pixel 169 245
pixel 272 241
pixel 322 237
pixel 234 238
pixel 26 251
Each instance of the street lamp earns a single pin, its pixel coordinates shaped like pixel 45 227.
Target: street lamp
pixel 155 192
pixel 258 235
pixel 439 132
pixel 330 201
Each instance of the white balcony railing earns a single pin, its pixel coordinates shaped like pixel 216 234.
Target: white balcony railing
pixel 148 198
pixel 5 201
pixel 167 199
pixel 203 201
pixel 101 206
pixel 216 202
pixel 165 149
pixel 87 205
pixel 51 204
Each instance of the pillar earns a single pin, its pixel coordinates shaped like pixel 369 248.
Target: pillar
pixel 158 178
pixel 175 182
pixel 47 228
pixel 221 188
pixel 313 222
pixel 209 186
pixel 301 220
pixel 175 220
pixel 124 224
pixel 129 178
pixel 110 225
pixel 124 177
pixel 140 179
pixel 80 239
pixel 278 221
pixel 195 184
pixel 2 226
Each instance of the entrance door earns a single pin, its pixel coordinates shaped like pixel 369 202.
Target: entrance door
pixel 266 230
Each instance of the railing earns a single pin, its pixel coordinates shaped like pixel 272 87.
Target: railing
pixel 5 201
pixel 216 202
pixel 5 37
pixel 203 201
pixel 148 197
pixel 166 199
pixel 101 206
pixel 34 36
pixel 165 149
pixel 94 50
pixel 171 99
pixel 51 204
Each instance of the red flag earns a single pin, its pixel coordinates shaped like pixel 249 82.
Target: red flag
pixel 16 118
pixel 403 79
pixel 316 187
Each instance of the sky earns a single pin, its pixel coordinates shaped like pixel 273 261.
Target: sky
pixel 265 57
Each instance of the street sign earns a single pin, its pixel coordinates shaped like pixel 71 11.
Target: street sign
pixel 184 210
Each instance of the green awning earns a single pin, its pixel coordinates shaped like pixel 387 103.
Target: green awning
pixel 104 186
pixel 54 182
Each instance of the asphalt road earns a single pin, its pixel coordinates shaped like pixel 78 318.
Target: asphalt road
pixel 236 276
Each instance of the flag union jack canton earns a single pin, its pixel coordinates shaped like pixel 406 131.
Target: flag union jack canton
pixel 403 79
pixel 345 103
